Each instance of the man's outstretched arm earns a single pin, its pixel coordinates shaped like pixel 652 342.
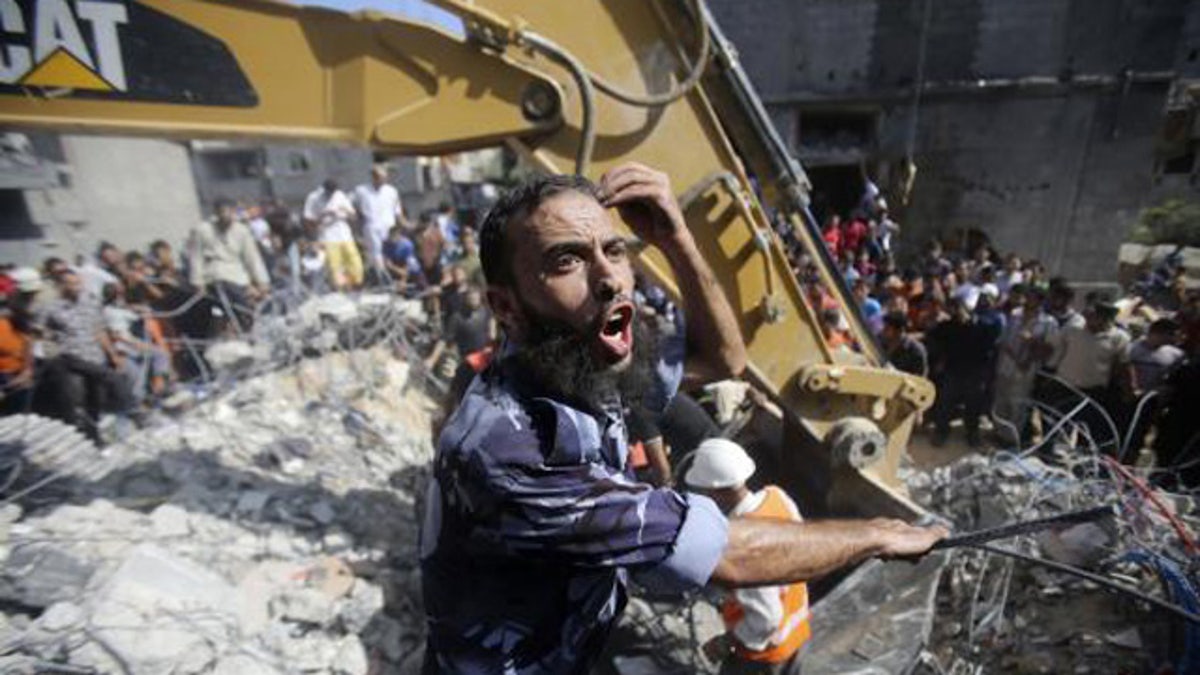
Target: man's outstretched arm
pixel 765 552
pixel 645 201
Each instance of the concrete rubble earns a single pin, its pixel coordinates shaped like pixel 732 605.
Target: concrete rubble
pixel 994 614
pixel 269 527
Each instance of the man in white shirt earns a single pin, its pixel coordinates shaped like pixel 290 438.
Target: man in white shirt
pixel 766 626
pixel 379 210
pixel 104 270
pixel 331 210
pixel 1094 360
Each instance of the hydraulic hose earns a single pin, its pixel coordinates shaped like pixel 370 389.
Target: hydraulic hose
pixel 587 95
pixel 693 77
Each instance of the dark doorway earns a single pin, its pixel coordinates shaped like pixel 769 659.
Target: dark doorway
pixel 836 189
pixel 15 221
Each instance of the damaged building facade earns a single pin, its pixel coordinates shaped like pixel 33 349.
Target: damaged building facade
pixel 1043 125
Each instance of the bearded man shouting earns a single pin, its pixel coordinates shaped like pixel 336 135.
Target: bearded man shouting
pixel 532 524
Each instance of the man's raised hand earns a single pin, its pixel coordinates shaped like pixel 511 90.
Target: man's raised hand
pixel 645 201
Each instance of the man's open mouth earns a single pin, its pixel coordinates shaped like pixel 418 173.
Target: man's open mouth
pixel 615 337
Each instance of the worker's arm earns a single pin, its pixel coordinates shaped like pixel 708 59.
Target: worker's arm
pixel 656 456
pixel 110 349
pixel 761 551
pixel 644 199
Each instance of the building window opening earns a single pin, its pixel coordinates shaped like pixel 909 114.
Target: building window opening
pixel 835 130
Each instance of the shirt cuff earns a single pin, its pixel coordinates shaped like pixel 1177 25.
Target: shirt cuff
pixel 697 550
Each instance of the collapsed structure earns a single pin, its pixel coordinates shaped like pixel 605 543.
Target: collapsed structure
pixel 270 526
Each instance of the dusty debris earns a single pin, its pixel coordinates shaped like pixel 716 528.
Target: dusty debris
pixel 995 614
pixel 181 549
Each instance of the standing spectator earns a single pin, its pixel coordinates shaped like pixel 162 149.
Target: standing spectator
pixel 846 267
pixel 834 330
pixel 872 311
pixel 165 268
pixel 447 223
pixel 255 219
pixel 901 349
pixel 966 289
pixel 329 210
pixel 52 267
pixel 17 334
pixel 867 269
pixel 831 233
pixel 1153 357
pixel 400 261
pixel 469 257
pixel 431 249
pixel 146 365
pixel 887 229
pixel 472 331
pixel 1177 438
pixel 854 233
pixel 935 263
pixel 380 211
pixel 1011 275
pixel 1024 347
pixel 138 275
pixel 1094 360
pixel 470 327
pixel 313 267
pixel 958 363
pixel 1058 304
pixel 81 375
pixel 1035 273
pixel 226 263
pixel 104 270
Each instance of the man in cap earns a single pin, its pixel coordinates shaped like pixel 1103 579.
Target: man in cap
pixel 532 525
pixel 766 626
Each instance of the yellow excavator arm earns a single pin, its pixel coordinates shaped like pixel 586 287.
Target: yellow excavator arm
pixel 573 86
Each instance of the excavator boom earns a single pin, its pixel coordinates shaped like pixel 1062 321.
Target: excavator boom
pixel 573 86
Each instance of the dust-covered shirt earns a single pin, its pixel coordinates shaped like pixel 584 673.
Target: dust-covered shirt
pixel 533 523
pixel 76 327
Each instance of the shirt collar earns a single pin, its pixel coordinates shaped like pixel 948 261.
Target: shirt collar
pixel 748 504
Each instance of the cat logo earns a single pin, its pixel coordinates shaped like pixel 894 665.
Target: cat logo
pixel 115 49
pixel 58 56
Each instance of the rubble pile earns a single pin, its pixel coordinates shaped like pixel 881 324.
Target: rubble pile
pixel 996 614
pixel 271 528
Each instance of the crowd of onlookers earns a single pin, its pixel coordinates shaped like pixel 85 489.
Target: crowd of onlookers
pixel 1001 338
pixel 117 332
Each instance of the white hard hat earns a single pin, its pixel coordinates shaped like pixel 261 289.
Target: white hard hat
pixel 719 463
pixel 27 279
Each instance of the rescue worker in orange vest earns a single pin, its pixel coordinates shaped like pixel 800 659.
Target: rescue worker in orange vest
pixel 766 626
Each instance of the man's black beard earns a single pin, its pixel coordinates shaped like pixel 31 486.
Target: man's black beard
pixel 561 359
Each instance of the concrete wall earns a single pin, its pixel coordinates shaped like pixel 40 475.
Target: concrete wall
pixel 129 191
pixel 290 172
pixel 1056 171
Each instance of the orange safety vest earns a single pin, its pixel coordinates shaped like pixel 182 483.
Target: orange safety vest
pixel 794 629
